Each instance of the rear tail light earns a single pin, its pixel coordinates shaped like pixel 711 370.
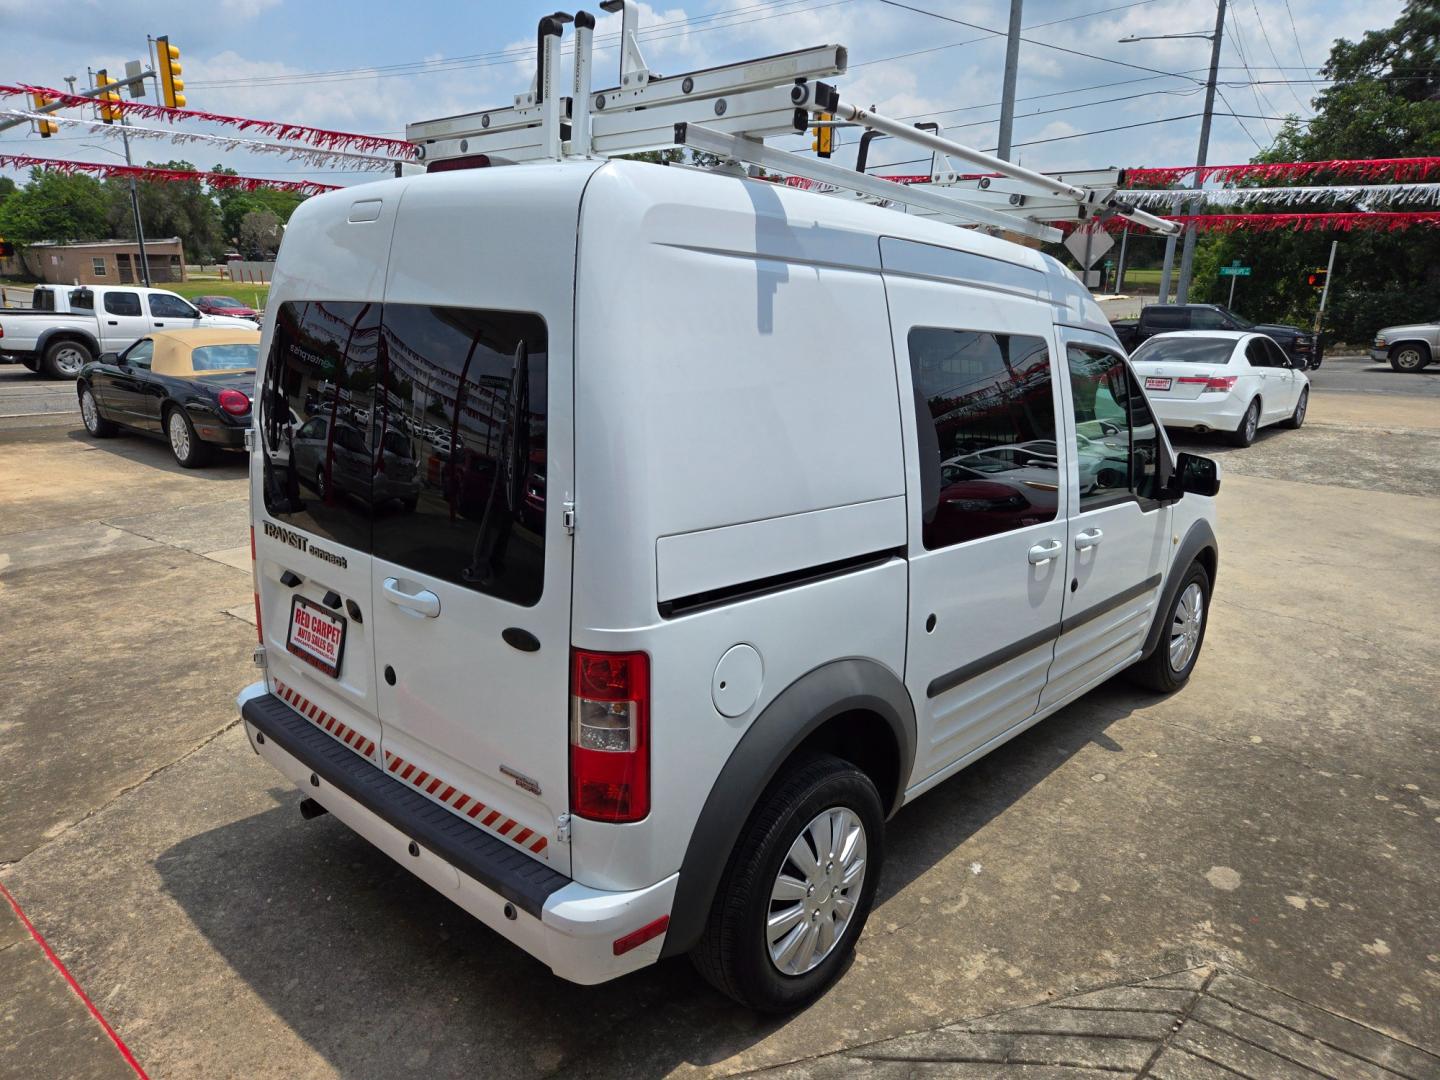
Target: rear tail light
pixel 1210 384
pixel 234 402
pixel 609 735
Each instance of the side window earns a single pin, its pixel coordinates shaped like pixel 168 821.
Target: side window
pixel 316 400
pixel 1204 318
pixel 140 354
pixel 42 300
pixel 1258 355
pixel 165 306
pixel 1164 319
pixel 122 303
pixel 1117 441
pixel 1278 358
pixel 462 434
pixel 985 420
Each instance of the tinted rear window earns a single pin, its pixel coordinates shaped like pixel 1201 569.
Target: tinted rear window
pixel 415 433
pixel 237 357
pixel 1165 318
pixel 1187 350
pixel 122 303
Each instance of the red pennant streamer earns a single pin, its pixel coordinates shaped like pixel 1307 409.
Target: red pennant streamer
pixel 1229 223
pixel 319 137
pixel 1398 169
pixel 142 172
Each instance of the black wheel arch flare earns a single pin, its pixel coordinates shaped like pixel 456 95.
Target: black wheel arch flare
pixel 833 690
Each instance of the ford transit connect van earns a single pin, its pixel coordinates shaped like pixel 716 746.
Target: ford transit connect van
pixel 632 542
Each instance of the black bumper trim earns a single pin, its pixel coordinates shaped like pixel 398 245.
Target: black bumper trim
pixel 524 881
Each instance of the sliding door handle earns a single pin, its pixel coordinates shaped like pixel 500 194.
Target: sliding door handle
pixel 423 603
pixel 1043 553
pixel 1088 538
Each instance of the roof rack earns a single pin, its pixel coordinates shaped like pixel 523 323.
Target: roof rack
pixel 730 110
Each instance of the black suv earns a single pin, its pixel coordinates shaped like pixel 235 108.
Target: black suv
pixel 1301 346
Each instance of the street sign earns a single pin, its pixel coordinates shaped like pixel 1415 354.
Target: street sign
pixel 1234 271
pixel 1099 243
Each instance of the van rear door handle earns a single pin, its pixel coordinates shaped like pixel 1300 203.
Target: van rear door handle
pixel 1088 538
pixel 1043 553
pixel 423 603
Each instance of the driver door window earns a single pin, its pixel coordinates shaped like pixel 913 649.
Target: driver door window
pixel 140 354
pixel 1117 440
pixel 165 306
pixel 1208 319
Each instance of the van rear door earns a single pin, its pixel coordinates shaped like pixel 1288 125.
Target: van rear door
pixel 472 562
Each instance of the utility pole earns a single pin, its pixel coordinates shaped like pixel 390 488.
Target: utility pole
pixel 1325 293
pixel 135 206
pixel 1120 269
pixel 1187 256
pixel 1167 268
pixel 1007 92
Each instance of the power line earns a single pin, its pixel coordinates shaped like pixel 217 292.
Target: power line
pixel 1237 43
pixel 1236 115
pixel 1031 41
pixel 1295 33
pixel 1273 56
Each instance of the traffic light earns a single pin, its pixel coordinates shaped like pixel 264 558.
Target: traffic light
pixel 45 127
pixel 824 142
pixel 167 63
pixel 1316 278
pixel 109 111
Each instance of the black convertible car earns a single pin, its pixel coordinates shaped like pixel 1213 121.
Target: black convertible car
pixel 191 387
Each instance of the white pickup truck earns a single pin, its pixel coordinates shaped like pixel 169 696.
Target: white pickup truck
pixel 67 328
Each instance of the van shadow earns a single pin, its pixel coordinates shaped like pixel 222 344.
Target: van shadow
pixel 154 452
pixel 378 973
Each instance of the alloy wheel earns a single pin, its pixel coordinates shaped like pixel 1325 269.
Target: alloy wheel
pixel 179 435
pixel 88 413
pixel 1252 422
pixel 816 891
pixel 1300 409
pixel 1408 359
pixel 1185 627
pixel 69 360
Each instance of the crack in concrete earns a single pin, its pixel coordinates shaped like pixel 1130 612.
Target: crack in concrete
pixel 126 790
pixel 167 544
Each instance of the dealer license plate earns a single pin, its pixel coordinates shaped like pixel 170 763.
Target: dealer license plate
pixel 317 636
pixel 1154 382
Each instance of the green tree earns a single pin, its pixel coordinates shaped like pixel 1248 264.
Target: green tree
pixel 259 235
pixel 169 208
pixel 235 204
pixel 1384 103
pixel 54 206
pixel 7 188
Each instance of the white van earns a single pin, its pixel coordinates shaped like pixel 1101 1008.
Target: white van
pixel 675 530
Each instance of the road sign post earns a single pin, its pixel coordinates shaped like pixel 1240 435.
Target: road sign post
pixel 1233 271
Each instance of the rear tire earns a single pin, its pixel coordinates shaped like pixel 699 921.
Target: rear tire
pixel 1244 435
pixel 1297 418
pixel 95 424
pixel 1408 357
pixel 64 359
pixel 814 913
pixel 1168 668
pixel 189 451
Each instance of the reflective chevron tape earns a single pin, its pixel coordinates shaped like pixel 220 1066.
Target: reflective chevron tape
pixel 467 806
pixel 325 722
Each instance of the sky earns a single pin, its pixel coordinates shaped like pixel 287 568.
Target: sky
pixel 369 66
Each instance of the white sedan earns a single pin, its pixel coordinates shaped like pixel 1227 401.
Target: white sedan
pixel 1217 380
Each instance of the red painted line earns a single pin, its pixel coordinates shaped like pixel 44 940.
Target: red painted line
pixel 539 847
pixel 50 955
pixel 459 803
pixel 523 835
pixel 445 795
pixel 420 778
pixel 490 818
pixel 509 824
pixel 406 774
pixel 478 808
pixel 434 784
pixel 395 763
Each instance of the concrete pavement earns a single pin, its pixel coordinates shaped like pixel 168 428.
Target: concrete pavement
pixel 1275 823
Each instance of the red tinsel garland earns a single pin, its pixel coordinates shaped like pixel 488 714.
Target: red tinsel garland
pixel 1228 223
pixel 319 137
pixel 1398 169
pixel 141 172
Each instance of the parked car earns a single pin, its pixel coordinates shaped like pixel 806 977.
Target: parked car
pixel 191 387
pixel 92 319
pixel 1222 381
pixel 673 715
pixel 1407 348
pixel 1302 346
pixel 226 305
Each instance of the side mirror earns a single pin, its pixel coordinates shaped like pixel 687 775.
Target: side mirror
pixel 1194 475
pixel 108 358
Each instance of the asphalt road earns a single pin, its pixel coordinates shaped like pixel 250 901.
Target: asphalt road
pixel 1256 850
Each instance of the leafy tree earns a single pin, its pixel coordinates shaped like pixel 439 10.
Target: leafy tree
pixel 54 206
pixel 169 208
pixel 7 188
pixel 1384 103
pixel 235 204
pixel 259 234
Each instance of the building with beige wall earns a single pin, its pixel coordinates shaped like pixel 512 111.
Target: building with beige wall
pixel 102 262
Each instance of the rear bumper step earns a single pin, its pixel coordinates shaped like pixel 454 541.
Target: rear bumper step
pixel 524 881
